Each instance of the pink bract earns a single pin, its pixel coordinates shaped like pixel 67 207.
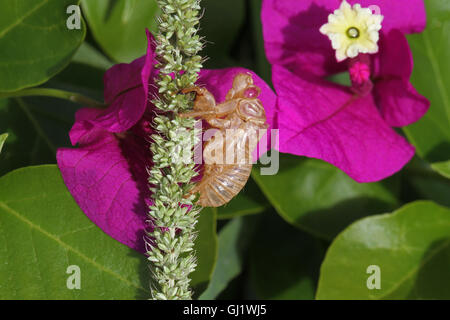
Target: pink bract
pixel 323 120
pixel 399 102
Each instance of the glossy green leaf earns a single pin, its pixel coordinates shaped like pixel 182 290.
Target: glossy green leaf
pixel 119 26
pixel 411 248
pixel 233 241
pixel 206 250
pixel 321 199
pixel 249 201
pixel 3 138
pixel 284 261
pixel 36 43
pixel 38 126
pixel 431 50
pixel 43 232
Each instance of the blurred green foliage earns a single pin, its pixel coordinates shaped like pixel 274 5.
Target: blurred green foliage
pixel 431 48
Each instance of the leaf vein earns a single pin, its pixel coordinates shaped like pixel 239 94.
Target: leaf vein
pixel 67 246
pixel 22 18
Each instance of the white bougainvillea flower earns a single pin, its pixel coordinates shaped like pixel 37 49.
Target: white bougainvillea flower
pixel 353 30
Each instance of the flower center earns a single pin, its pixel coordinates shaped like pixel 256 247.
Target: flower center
pixel 353 33
pixel 353 30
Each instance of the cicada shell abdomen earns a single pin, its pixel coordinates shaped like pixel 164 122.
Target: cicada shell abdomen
pixel 222 185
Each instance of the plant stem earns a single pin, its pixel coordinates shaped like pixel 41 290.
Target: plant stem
pixel 173 214
pixel 55 93
pixel 37 127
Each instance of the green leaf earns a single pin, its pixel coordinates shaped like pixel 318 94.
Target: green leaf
pixel 43 232
pixel 432 188
pixel 220 25
pixel 249 201
pixel 342 78
pixel 119 26
pixel 427 184
pixel 321 199
pixel 81 76
pixel 3 138
pixel 28 143
pixel 431 50
pixel 206 250
pixel 37 126
pixel 233 241
pixel 411 247
pixel 36 43
pixel 88 55
pixel 442 167
pixel 284 261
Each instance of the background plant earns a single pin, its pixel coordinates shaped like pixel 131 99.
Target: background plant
pixel 171 242
pixel 310 207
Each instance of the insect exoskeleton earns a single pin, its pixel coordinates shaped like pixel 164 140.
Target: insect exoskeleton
pixel 222 184
pixel 239 119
